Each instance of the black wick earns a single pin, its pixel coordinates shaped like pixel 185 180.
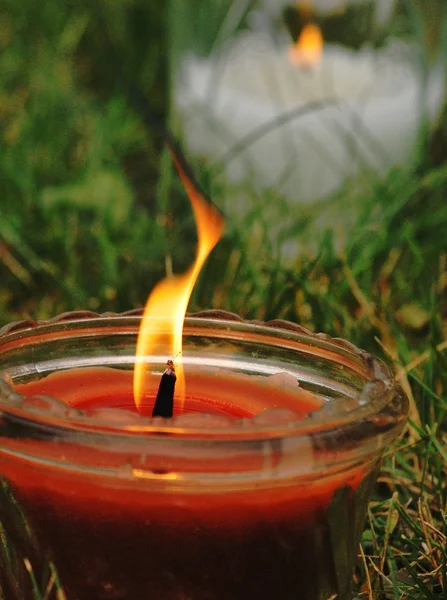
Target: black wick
pixel 164 402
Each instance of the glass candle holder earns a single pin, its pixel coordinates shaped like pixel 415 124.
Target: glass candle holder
pixel 257 488
pixel 281 102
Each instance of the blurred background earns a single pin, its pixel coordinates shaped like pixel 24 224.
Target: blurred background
pixel 329 162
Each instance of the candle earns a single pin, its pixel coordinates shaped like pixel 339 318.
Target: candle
pixel 271 119
pixel 257 488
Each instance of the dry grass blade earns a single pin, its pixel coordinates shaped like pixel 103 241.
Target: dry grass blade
pixel 419 360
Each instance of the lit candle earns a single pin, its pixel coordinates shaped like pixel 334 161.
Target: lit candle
pixel 255 486
pixel 309 123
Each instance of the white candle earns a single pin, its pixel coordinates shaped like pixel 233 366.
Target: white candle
pixel 372 122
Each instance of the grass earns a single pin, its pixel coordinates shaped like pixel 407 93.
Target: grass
pixel 91 215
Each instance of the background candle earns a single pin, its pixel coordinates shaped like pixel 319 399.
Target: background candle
pixel 233 501
pixel 367 115
pixel 301 131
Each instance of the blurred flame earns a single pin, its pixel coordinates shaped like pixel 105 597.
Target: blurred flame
pixel 166 306
pixel 308 49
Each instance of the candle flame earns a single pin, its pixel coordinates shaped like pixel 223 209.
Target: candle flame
pixel 308 49
pixel 164 313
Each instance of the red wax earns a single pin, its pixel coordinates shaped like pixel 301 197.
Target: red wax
pixel 113 539
pixel 95 387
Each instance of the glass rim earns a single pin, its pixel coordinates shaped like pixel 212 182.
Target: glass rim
pixel 380 391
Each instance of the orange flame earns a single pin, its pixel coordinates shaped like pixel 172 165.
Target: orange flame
pixel 308 49
pixel 164 313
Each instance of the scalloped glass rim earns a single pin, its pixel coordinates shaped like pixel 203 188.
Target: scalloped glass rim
pixel 378 393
